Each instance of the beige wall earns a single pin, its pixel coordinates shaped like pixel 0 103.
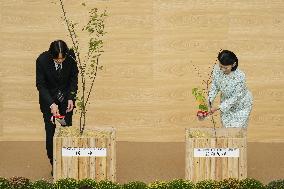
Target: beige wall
pixel 145 88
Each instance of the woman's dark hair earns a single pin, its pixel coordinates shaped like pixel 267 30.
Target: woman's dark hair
pixel 227 57
pixel 57 47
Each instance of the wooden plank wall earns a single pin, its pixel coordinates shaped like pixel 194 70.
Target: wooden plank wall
pixel 145 87
pixel 81 167
pixel 215 168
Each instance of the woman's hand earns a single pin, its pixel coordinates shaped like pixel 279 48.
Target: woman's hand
pixel 202 115
pixel 213 110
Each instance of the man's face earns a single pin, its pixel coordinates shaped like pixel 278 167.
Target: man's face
pixel 59 59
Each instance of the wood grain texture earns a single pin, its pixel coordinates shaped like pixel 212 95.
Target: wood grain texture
pixel 84 162
pixel 144 89
pixel 82 167
pixel 215 168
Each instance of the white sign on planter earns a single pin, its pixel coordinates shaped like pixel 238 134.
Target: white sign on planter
pixel 216 152
pixel 83 152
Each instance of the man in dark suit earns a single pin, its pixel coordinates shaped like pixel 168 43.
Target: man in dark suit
pixel 57 83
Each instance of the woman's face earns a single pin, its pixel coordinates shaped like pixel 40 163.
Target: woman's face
pixel 226 69
pixel 59 59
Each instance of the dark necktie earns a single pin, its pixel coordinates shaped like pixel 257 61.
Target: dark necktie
pixel 58 68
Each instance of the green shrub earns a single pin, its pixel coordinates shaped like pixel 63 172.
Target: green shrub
pixel 4 183
pixel 277 184
pixel 86 187
pixel 68 183
pixel 207 184
pixel 180 184
pixel 158 185
pixel 19 183
pixel 105 184
pixel 134 185
pixel 230 183
pixel 91 183
pixel 250 183
pixel 41 184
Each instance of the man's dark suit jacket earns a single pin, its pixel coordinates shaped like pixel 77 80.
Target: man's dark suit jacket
pixel 48 82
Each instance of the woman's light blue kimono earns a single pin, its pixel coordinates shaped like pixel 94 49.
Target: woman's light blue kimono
pixel 236 99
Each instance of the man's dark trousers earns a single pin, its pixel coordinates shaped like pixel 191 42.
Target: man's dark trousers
pixel 50 127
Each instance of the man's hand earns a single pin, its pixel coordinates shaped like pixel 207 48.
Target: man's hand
pixel 54 109
pixel 70 106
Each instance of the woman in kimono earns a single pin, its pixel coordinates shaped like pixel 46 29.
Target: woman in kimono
pixel 236 99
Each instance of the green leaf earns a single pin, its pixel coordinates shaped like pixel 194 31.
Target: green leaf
pixel 200 98
pixel 80 104
pixel 203 107
pixel 194 91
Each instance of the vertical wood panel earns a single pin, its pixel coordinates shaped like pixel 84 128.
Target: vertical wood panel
pixel 74 167
pixel 231 160
pixel 207 144
pixel 65 160
pixel 84 168
pixel 57 161
pixel 243 160
pixel 236 161
pixel 213 161
pixel 189 159
pixel 219 168
pixel 112 156
pixel 225 160
pixel 93 171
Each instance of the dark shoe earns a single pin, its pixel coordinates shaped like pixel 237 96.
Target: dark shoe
pixel 51 162
pixel 51 169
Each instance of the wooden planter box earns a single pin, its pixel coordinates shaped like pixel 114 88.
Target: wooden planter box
pixel 215 154
pixel 91 155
